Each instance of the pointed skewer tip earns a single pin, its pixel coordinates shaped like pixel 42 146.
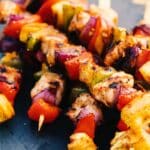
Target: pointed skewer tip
pixel 41 121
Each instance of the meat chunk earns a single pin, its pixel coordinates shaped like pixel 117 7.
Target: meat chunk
pixel 107 91
pixel 8 8
pixel 52 40
pixel 79 21
pixel 83 106
pixel 81 141
pixel 51 82
pixel 119 51
pixel 9 75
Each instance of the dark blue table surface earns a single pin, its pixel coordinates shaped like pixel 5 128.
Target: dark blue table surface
pixel 21 134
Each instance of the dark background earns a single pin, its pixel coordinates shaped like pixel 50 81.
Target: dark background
pixel 21 134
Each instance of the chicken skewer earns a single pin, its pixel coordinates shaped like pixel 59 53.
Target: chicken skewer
pixel 86 115
pixel 46 96
pixel 10 78
pixel 135 111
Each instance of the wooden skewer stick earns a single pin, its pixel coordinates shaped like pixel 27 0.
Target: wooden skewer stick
pixel 146 18
pixel 104 3
pixel 41 121
pixel 146 3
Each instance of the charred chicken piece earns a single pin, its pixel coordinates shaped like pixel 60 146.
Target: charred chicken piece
pixel 107 91
pixel 84 105
pixel 49 87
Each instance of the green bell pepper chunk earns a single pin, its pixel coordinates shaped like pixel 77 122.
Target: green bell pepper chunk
pixel 68 12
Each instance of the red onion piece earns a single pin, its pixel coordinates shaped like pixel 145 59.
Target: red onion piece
pixel 40 56
pixel 47 95
pixel 68 53
pixel 142 30
pixel 24 3
pixel 86 34
pixel 14 17
pixel 86 111
pixel 61 57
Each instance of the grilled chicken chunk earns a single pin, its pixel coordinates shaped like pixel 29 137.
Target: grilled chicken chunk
pixel 9 75
pixel 8 8
pixel 79 21
pixel 83 106
pixel 53 84
pixel 107 90
pixel 119 50
pixel 81 141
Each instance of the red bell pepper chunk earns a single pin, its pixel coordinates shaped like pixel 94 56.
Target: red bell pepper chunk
pixel 9 91
pixel 86 125
pixel 40 107
pixel 45 11
pixel 143 57
pixel 122 126
pixel 13 28
pixel 72 65
pixel 125 96
pixel 123 100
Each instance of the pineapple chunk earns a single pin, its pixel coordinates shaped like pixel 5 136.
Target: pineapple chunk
pixel 6 109
pixel 120 34
pixel 57 10
pixel 81 141
pixel 136 115
pixel 145 71
pixel 28 29
pixel 92 74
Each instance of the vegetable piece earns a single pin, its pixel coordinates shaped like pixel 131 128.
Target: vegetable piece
pixel 40 107
pixel 96 33
pixel 86 125
pixel 122 126
pixel 136 114
pixel 28 29
pixel 143 57
pixel 12 60
pixel 72 66
pixel 45 11
pixel 119 34
pixel 31 33
pixel 88 31
pixel 9 91
pixel 125 96
pixel 6 109
pixel 68 12
pixel 90 73
pixel 143 30
pixel 57 11
pixel 145 71
pixel 12 29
